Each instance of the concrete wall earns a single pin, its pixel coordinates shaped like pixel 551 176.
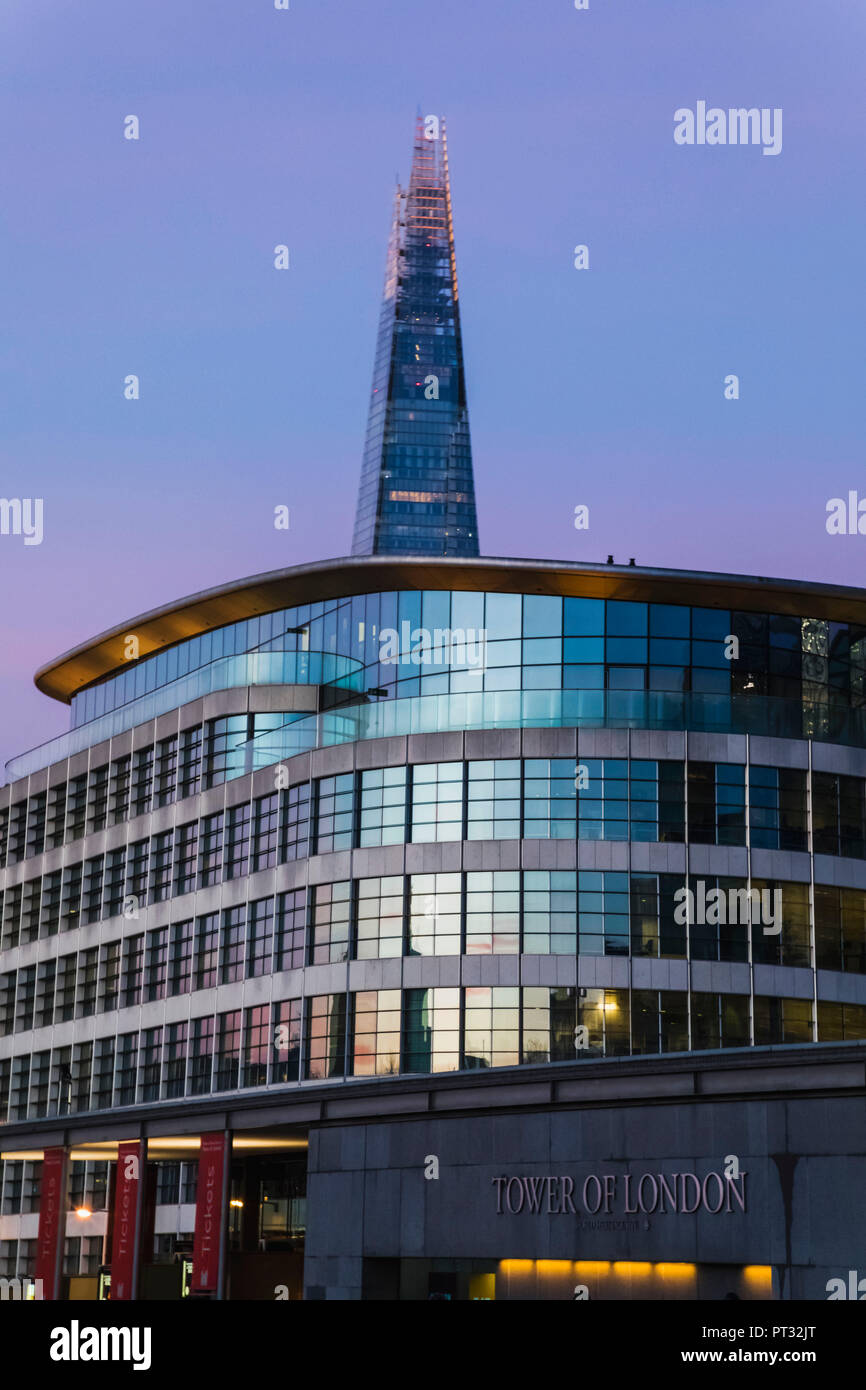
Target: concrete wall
pixel 804 1159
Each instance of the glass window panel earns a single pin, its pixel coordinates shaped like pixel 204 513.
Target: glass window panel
pixel 669 620
pixel 583 617
pixel 625 649
pixel 626 619
pixel 584 678
pixel 669 652
pixel 538 651
pixel 584 649
pixel 502 616
pixel 502 653
pixel 467 610
pixel 542 615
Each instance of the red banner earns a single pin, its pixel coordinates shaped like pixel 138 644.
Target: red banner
pixel 52 1222
pixel 209 1215
pixel 130 1165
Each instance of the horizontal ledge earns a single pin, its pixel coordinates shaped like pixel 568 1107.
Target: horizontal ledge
pixel 627 1087
pixel 486 1097
pixel 348 1108
pixel 830 1077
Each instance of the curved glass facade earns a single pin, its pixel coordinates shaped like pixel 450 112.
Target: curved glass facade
pixel 537 642
pixel 625 829
pixel 613 660
pixel 640 904
pixel 219 660
pixel 555 709
pixel 324 669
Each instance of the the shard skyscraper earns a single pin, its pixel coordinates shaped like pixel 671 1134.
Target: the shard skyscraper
pixel 417 495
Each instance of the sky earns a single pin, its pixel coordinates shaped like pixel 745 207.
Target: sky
pixel 602 387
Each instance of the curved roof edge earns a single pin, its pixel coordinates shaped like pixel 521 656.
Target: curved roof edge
pixel 342 578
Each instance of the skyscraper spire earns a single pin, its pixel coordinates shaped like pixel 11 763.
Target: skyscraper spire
pixel 417 494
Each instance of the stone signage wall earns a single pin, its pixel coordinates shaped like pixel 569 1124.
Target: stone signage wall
pixel 742 1183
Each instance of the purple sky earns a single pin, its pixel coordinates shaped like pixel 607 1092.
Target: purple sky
pixel 603 387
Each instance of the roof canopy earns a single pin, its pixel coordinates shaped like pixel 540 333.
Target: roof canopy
pixel 104 655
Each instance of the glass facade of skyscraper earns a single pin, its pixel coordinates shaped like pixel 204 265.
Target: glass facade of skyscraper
pixel 417 495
